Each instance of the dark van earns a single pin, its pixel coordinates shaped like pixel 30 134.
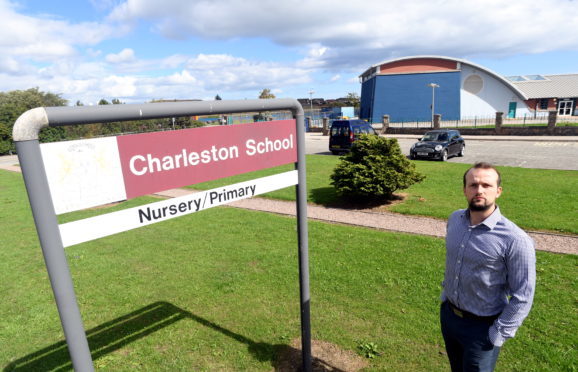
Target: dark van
pixel 344 132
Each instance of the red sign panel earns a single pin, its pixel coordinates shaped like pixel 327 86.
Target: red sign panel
pixel 153 162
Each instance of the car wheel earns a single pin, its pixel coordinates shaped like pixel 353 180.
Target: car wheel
pixel 411 156
pixel 462 151
pixel 444 156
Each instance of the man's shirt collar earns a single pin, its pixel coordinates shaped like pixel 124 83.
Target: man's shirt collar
pixel 490 222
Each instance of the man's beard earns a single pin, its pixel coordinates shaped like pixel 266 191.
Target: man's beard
pixel 479 207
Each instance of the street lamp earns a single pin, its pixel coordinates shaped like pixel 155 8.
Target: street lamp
pixel 433 94
pixel 311 102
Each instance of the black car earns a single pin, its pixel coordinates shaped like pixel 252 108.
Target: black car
pixel 344 132
pixel 438 144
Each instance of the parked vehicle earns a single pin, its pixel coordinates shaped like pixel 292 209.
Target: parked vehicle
pixel 439 144
pixel 344 132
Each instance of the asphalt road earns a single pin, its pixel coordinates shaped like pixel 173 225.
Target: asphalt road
pixel 544 153
pixel 524 152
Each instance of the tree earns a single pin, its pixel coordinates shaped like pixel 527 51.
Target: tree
pixel 374 169
pixel 266 115
pixel 266 94
pixel 15 103
pixel 353 99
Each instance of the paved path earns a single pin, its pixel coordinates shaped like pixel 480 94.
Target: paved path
pixel 383 221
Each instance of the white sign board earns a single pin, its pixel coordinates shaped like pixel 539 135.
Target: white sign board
pixel 83 173
pixel 81 231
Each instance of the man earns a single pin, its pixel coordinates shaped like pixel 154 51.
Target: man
pixel 490 275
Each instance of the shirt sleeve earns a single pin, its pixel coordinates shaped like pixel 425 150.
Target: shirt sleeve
pixel 443 296
pixel 521 266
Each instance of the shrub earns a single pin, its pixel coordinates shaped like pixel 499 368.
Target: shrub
pixel 374 169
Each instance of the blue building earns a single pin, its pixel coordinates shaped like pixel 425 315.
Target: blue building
pixel 405 89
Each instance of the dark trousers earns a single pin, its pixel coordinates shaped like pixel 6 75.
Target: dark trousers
pixel 467 343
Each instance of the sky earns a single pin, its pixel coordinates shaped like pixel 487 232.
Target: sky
pixel 140 50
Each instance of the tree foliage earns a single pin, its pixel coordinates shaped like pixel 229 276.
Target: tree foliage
pixel 15 103
pixel 374 169
pixel 266 94
pixel 353 99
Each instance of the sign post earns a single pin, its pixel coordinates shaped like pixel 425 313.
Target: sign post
pixel 45 202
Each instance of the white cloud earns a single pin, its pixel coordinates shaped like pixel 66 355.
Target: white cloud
pixel 348 34
pixel 200 76
pixel 30 39
pixel 233 73
pixel 329 43
pixel 124 56
pixel 119 86
pixel 10 65
pixel 93 53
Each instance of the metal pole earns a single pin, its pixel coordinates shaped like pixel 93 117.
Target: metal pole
pixel 433 94
pixel 303 241
pixel 46 222
pixel 311 105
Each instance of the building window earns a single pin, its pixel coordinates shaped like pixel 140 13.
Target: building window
pixel 543 104
pixel 565 107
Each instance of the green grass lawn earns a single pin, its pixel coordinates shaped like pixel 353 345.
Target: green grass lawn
pixel 218 290
pixel 537 199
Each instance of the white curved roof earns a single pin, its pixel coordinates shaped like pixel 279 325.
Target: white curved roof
pixel 462 61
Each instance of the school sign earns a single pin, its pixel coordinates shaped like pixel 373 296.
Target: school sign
pixel 67 176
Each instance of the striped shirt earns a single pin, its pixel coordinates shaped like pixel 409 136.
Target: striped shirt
pixel 490 269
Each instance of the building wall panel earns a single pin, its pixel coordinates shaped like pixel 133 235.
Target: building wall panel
pixel 367 96
pixel 408 97
pixel 494 96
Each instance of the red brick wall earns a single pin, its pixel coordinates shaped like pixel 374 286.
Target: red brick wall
pixel 534 104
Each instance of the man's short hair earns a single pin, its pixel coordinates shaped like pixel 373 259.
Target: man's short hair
pixel 484 165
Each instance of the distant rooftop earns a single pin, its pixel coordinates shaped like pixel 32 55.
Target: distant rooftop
pixel 547 86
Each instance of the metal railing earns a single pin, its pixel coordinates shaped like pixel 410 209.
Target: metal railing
pixel 488 121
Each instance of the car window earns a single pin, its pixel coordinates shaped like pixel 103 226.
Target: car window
pixel 435 137
pixel 339 131
pixel 429 137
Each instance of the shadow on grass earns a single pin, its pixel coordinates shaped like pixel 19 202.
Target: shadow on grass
pixel 328 197
pixel 121 331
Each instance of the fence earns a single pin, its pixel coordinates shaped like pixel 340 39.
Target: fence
pixel 489 121
pixel 245 117
pixel 316 116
